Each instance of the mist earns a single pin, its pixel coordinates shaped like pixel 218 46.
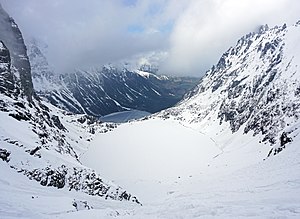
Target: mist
pixel 194 33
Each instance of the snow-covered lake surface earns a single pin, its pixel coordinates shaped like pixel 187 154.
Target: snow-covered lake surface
pixel 180 172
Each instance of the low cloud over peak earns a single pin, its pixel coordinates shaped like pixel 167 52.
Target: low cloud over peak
pixel 194 32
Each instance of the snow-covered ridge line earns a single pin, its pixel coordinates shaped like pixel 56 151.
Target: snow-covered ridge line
pixel 254 86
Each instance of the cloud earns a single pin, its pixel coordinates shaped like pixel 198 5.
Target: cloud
pixel 81 34
pixel 195 33
pixel 207 28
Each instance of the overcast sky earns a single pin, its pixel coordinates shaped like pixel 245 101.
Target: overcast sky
pixel 195 33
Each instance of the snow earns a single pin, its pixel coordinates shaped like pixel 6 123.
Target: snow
pixel 22 198
pixel 143 74
pixel 189 167
pixel 124 116
pixel 1 46
pixel 156 92
pixel 238 183
pixel 195 167
pixel 148 75
pixel 169 150
pixel 235 184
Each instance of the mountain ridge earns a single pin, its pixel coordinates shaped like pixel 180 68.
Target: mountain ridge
pixel 253 87
pixel 104 90
pixel 207 160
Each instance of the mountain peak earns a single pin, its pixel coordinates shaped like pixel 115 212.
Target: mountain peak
pixel 254 86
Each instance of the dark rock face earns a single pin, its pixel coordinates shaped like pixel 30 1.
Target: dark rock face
pixel 12 38
pixel 6 76
pixel 48 177
pixel 4 154
pixel 284 139
pixel 57 123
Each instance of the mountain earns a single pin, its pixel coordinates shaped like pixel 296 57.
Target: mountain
pixel 253 88
pixel 47 84
pixel 38 141
pixel 102 91
pixel 15 67
pixel 212 155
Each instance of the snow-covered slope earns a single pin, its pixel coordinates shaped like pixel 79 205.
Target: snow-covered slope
pixel 35 143
pixel 226 186
pixel 185 174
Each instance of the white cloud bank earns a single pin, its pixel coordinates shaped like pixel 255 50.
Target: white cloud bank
pixel 207 28
pixel 195 33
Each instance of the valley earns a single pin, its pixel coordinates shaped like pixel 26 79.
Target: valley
pixel 127 142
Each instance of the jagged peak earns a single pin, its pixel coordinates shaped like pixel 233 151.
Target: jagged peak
pixel 263 28
pixel 254 86
pixel 2 46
